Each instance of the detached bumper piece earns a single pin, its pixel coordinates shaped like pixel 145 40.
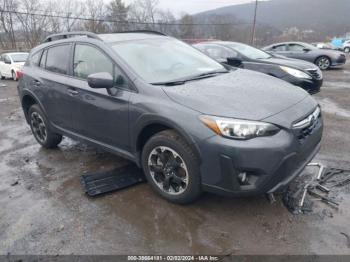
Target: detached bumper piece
pixel 102 182
pixel 322 187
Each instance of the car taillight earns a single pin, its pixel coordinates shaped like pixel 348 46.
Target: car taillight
pixel 19 74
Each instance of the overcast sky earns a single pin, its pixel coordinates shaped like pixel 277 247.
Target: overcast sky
pixel 194 6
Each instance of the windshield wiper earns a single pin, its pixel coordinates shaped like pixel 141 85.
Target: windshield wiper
pixel 181 82
pixel 213 73
pixel 170 83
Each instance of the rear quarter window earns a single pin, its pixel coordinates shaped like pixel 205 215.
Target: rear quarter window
pixel 35 58
pixel 57 59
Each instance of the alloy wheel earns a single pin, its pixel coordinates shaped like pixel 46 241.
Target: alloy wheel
pixel 39 127
pixel 168 170
pixel 14 77
pixel 323 63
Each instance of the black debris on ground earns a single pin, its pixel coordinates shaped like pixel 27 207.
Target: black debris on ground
pixel 303 192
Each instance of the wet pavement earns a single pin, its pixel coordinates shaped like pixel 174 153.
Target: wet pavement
pixel 45 211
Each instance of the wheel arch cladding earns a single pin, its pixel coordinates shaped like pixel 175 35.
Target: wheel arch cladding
pixel 151 129
pixel 27 102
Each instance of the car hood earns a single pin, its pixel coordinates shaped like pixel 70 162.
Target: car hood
pixel 296 63
pixel 240 94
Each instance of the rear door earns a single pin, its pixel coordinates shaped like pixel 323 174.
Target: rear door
pixel 52 79
pixel 99 114
pixel 281 49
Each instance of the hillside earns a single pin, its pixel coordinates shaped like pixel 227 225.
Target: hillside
pixel 330 17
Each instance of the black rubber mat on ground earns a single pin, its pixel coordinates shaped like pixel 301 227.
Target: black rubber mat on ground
pixel 102 182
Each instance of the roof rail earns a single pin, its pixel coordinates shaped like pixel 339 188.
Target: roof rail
pixel 142 31
pixel 65 35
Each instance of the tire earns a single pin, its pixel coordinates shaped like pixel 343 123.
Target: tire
pixel 14 76
pixel 323 62
pixel 347 49
pixel 180 167
pixel 40 128
pixel 1 76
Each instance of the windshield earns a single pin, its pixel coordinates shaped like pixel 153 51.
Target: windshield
pixel 164 59
pixel 19 57
pixel 249 51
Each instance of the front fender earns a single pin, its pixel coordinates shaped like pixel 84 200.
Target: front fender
pixel 150 119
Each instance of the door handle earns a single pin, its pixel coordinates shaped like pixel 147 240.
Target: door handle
pixel 36 82
pixel 72 91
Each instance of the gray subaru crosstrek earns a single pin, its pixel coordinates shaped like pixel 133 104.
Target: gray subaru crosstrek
pixel 191 124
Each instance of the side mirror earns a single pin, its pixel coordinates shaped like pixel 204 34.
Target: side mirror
pixel 234 61
pixel 306 50
pixel 100 80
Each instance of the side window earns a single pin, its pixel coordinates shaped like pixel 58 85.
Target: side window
pixel 7 59
pixel 1 58
pixel 35 58
pixel 89 60
pixel 216 52
pixel 296 47
pixel 43 59
pixel 279 48
pixel 57 59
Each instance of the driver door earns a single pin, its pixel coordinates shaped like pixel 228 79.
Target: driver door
pixel 100 115
pixel 296 51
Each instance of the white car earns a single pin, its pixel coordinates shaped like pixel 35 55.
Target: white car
pixel 346 46
pixel 11 64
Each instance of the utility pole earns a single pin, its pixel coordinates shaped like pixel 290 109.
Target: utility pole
pixel 68 25
pixel 254 24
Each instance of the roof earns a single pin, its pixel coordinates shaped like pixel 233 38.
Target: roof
pixel 108 38
pixel 119 37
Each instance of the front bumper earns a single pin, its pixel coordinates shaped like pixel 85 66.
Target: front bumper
pixel 269 162
pixel 341 60
pixel 312 86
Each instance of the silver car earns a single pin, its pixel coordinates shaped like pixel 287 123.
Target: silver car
pixel 346 46
pixel 323 58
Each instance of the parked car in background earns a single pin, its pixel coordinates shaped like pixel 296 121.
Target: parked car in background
pixel 323 58
pixel 190 123
pixel 11 64
pixel 346 46
pixel 297 72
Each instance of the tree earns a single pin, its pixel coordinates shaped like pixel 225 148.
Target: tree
pixel 7 23
pixel 186 27
pixel 96 12
pixel 145 12
pixel 166 23
pixel 117 10
pixel 34 27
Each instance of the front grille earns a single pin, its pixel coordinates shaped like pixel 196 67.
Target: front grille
pixel 305 127
pixel 315 73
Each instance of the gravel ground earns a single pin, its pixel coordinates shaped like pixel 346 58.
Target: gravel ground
pixel 45 211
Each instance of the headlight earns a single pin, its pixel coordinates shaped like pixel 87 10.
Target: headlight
pixel 295 72
pixel 238 129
